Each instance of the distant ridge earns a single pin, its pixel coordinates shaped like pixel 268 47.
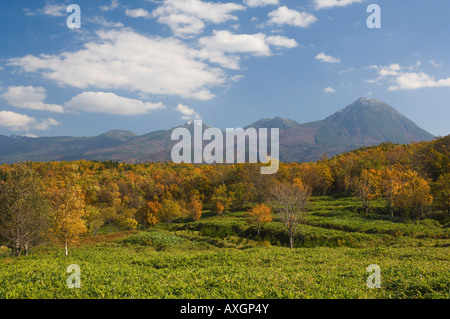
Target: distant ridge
pixel 365 122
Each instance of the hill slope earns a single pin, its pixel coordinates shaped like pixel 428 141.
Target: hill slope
pixel 365 122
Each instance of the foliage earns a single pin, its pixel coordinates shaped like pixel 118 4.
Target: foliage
pixel 24 209
pixel 260 214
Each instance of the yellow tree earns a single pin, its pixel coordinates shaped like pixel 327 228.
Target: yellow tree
pixel 195 206
pixel 260 214
pixel 367 187
pixel 414 195
pixel 218 208
pixel 153 208
pixel 69 209
pixel 390 185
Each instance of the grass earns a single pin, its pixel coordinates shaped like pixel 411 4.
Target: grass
pixel 221 257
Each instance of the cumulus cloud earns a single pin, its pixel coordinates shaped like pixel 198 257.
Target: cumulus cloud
pixel 110 103
pixel 21 122
pixel 327 4
pixel 29 97
pixel 326 58
pixel 137 13
pixel 188 113
pixel 223 46
pixel 403 78
pixel 187 17
pixel 281 41
pixel 124 59
pixel 284 15
pixel 114 4
pixel 260 3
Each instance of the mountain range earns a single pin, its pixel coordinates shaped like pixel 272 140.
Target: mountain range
pixel 365 122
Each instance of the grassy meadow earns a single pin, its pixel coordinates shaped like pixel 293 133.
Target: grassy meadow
pixel 222 257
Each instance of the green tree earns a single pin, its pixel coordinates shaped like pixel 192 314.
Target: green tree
pixel 24 209
pixel 441 191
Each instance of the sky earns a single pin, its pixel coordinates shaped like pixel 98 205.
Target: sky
pixel 147 65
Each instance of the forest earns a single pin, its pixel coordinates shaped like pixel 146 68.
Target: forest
pixel 390 196
pixel 60 201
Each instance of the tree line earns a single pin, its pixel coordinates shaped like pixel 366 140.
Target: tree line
pixel 59 201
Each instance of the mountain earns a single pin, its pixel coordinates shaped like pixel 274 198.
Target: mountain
pixel 277 122
pixel 365 122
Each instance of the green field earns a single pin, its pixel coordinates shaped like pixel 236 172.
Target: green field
pixel 221 257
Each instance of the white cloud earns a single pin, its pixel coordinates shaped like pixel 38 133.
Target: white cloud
pixel 21 122
pixel 44 125
pixel 188 113
pixel 137 13
pixel 110 103
pixel 114 4
pixel 223 46
pixel 414 81
pixel 54 10
pixel 99 20
pixel 281 41
pixel 435 64
pixel 183 25
pixel 327 4
pixel 260 3
pixel 284 15
pixel 29 97
pixel 329 90
pixel 187 17
pixel 123 59
pixel 326 58
pixel 225 41
pixel 402 78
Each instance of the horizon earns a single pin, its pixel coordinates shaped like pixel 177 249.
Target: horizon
pixel 189 122
pixel 135 66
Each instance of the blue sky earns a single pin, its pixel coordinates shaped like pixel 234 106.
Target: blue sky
pixel 145 65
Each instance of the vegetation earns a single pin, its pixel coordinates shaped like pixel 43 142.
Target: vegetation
pixel 164 230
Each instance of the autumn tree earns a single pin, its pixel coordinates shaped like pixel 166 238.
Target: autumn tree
pixel 195 206
pixel 289 203
pixel 414 195
pixel 221 195
pixel 169 211
pixel 147 215
pixel 390 185
pixel 441 192
pixel 24 209
pixel 317 176
pixel 259 215
pixel 218 208
pixel 69 209
pixel 367 187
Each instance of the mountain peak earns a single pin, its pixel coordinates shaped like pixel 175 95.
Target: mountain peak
pixel 276 122
pixel 119 133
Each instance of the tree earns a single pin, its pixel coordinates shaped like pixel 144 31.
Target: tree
pixel 69 210
pixel 195 206
pixel 218 208
pixel 147 215
pixel 260 214
pixel 222 195
pixel 24 209
pixel 289 203
pixel 317 176
pixel 441 191
pixel 169 211
pixel 367 187
pixel 390 185
pixel 414 195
